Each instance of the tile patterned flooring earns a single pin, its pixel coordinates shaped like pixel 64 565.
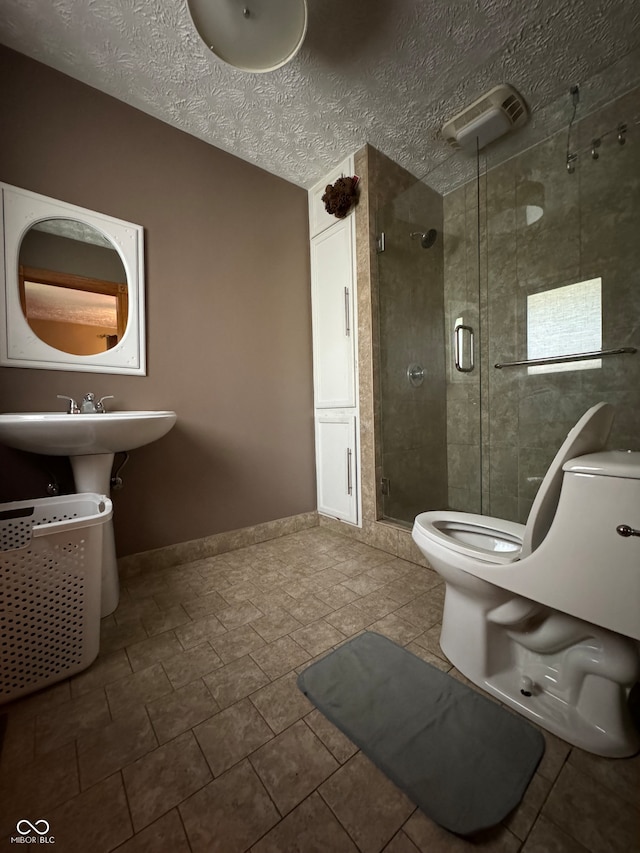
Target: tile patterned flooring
pixel 189 734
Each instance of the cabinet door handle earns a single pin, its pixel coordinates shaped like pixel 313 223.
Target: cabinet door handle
pixel 347 313
pixel 349 483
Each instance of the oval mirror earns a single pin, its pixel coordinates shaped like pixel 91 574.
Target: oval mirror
pixel 73 286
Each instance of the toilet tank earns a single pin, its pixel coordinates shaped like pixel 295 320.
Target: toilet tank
pixel 600 573
pixel 607 463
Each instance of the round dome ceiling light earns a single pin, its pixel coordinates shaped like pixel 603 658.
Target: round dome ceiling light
pixel 251 35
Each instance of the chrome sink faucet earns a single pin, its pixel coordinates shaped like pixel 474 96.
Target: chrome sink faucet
pixel 89 405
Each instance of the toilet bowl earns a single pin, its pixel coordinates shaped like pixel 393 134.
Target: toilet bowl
pixel 545 616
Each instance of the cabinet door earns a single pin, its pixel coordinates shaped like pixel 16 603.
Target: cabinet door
pixel 336 466
pixel 333 316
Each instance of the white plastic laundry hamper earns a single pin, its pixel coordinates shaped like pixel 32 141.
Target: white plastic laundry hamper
pixel 50 570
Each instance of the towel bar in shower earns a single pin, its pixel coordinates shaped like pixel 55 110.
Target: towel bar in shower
pixel 559 359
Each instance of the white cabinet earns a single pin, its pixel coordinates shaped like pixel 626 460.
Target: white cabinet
pixel 335 367
pixel 332 279
pixel 336 453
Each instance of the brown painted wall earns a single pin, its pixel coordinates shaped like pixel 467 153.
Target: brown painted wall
pixel 228 312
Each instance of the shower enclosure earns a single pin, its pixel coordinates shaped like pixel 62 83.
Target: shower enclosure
pixel 485 326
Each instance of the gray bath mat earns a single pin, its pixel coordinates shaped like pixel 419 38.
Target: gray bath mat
pixel 464 760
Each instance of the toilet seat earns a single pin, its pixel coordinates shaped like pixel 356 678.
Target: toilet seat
pixel 498 541
pixel 479 537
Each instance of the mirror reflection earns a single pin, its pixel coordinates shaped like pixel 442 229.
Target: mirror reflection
pixel 73 286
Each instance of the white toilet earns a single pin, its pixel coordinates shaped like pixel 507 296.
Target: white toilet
pixel 546 616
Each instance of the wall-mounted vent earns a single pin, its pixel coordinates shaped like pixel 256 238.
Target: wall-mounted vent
pixel 491 116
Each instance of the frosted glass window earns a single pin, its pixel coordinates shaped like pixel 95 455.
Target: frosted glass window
pixel 565 321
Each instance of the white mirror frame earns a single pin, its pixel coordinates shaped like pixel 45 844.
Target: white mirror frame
pixel 19 345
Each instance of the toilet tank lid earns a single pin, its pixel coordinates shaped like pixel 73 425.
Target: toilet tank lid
pixel 607 463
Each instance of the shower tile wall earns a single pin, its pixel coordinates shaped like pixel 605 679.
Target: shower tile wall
pixel 589 228
pixel 411 305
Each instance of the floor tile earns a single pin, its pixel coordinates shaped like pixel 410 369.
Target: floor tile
pixel 317 637
pixel 391 570
pixel 292 765
pixel 337 596
pixel 103 671
pixel 229 814
pixel 421 613
pixel 167 619
pixel 420 652
pixel 281 703
pixel 231 735
pixel 28 707
pixel 195 633
pixel 430 640
pixel 336 742
pixel 38 787
pixel 237 615
pixel 191 664
pixel 163 778
pixel 576 804
pixel 429 838
pixel 137 689
pixel 524 815
pixel 204 605
pixel 395 628
pixel 401 843
pixel 130 612
pixel 280 656
pixel 237 644
pixel 377 604
pixel 96 820
pixel 114 636
pixel 556 752
pixel 309 828
pixel 181 710
pixel 165 835
pixel 150 651
pixel 276 625
pixel 308 609
pixel 362 584
pixel 272 603
pixel 619 775
pixel 349 619
pixel 235 681
pixel 238 592
pixel 66 722
pixel 546 837
pixel 101 753
pixel 366 803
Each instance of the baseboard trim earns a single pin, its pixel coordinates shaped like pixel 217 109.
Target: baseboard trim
pixel 211 546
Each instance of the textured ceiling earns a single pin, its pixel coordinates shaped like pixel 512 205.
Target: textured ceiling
pixel 388 73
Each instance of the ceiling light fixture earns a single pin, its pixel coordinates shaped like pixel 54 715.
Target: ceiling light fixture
pixel 251 35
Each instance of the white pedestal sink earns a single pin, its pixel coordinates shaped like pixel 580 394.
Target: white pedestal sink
pixel 90 441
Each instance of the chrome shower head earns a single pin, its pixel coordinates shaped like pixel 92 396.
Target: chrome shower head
pixel 427 238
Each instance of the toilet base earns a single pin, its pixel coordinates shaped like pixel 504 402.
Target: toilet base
pixel 587 710
pixel 561 719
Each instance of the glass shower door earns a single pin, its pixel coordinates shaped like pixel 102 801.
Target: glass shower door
pixel 428 378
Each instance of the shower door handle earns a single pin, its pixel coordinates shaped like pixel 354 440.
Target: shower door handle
pixel 458 347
